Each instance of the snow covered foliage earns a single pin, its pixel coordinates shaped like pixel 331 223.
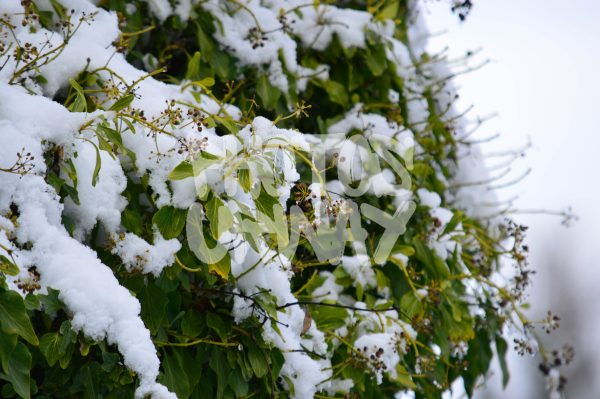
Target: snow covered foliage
pixel 218 199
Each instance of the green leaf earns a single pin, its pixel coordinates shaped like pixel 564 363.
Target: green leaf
pixel 205 42
pixel 337 92
pixel 258 362
pixel 404 249
pixel 219 217
pixel 265 203
pixel 80 103
pixel 267 92
pixel 204 83
pixel 218 364
pixel 113 135
pixel 222 267
pixel 122 102
pixel 277 361
pixel 215 323
pixel 389 11
pixel 377 59
pixel 193 67
pixel 404 378
pixel 17 370
pixel 186 169
pixel 329 318
pixel 237 382
pixel 50 302
pixel 7 344
pixel 222 64
pixel 59 9
pixel 456 219
pixel 410 304
pixel 182 171
pixel 7 267
pixel 97 166
pixel 227 123
pixel 182 373
pixel 192 324
pixel 170 221
pixel 89 375
pixel 14 317
pixel 501 348
pixel 50 346
pixel 154 304
pixel 244 178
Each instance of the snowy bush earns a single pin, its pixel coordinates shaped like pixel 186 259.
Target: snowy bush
pixel 243 198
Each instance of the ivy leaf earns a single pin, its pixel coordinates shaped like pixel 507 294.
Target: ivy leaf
pixel 265 203
pixel 193 67
pixel 404 378
pixel 80 103
pixel 337 92
pixel 267 92
pixel 50 302
pixel 113 135
pixel 228 123
pixel 97 166
pixel 389 11
pixel 59 9
pixel 7 344
pixel 329 318
pixel 218 364
pixel 170 221
pixel 154 303
pixel 186 169
pixel 17 370
pixel 219 217
pixel 192 324
pixel 244 179
pixel 7 267
pixel 89 375
pixel 258 362
pixel 501 348
pixel 377 59
pixel 182 171
pixel 122 102
pixel 182 373
pixel 237 382
pixel 14 318
pixel 222 64
pixel 214 322
pixel 277 361
pixel 204 83
pixel 456 219
pixel 222 267
pixel 50 346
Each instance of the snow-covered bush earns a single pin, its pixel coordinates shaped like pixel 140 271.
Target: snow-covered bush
pixel 243 198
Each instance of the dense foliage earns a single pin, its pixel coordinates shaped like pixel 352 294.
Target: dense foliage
pixel 110 117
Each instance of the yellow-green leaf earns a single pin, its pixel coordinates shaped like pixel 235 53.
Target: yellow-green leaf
pixel 7 267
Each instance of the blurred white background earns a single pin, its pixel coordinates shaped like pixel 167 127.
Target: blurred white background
pixel 544 82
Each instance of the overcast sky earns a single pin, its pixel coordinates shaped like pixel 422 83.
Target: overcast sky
pixel 544 82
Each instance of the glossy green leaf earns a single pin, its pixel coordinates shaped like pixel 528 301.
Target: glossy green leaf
pixel 170 221
pixel 258 362
pixel 122 102
pixel 14 318
pixel 17 370
pixel 80 103
pixel 268 93
pixel 337 92
pixel 50 346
